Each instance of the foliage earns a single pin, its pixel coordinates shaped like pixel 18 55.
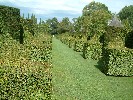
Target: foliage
pixel 24 74
pixel 76 78
pixel 9 21
pixel 24 80
pixel 64 26
pixel 114 37
pixel 78 46
pixel 71 42
pixel 40 49
pixel 52 25
pixel 77 24
pixel 127 13
pixel 92 7
pixel 94 19
pixel 129 40
pixel 43 28
pixel 118 62
pixel 92 50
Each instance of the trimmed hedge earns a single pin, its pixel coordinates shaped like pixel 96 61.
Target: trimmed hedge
pixel 66 41
pixel 25 80
pixel 118 62
pixel 28 25
pixel 71 43
pixel 92 50
pixel 79 45
pixel 41 49
pixel 22 75
pixel 113 36
pixel 10 21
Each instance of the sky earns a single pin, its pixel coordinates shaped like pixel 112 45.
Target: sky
pixel 46 9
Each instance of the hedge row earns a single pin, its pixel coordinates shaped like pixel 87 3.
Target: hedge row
pixel 79 44
pixel 28 25
pixel 118 62
pixel 71 43
pixel 10 21
pixel 41 49
pixel 22 75
pixel 92 50
pixel 25 80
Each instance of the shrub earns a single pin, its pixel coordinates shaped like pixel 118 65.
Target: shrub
pixel 118 62
pixel 79 45
pixel 22 75
pixel 10 21
pixel 92 50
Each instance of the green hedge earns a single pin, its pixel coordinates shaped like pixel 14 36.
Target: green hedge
pixel 76 44
pixel 24 80
pixel 71 43
pixel 118 62
pixel 114 35
pixel 22 75
pixel 79 45
pixel 28 25
pixel 41 50
pixel 65 40
pixel 92 50
pixel 10 21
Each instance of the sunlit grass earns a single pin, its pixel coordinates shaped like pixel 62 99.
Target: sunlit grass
pixel 75 78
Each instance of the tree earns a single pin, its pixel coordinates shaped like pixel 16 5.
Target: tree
pixel 94 19
pixel 127 13
pixel 53 25
pixel 77 25
pixel 92 7
pixel 64 25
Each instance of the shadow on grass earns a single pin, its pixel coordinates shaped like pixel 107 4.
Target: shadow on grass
pixel 100 66
pixel 81 55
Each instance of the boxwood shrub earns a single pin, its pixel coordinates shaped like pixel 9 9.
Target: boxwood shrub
pixel 79 45
pixel 10 20
pixel 118 62
pixel 92 50
pixel 24 74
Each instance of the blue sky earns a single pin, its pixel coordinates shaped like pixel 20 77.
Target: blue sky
pixel 61 8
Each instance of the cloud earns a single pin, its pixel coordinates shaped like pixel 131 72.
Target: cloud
pixel 40 6
pixel 60 8
pixel 50 8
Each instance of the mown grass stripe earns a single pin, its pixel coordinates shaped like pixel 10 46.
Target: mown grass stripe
pixel 75 78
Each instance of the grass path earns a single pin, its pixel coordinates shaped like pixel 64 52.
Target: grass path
pixel 75 78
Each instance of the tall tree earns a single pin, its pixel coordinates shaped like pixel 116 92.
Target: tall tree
pixel 53 25
pixel 78 24
pixel 92 7
pixel 127 13
pixel 64 25
pixel 95 17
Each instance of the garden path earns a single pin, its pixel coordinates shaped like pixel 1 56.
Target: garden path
pixel 76 78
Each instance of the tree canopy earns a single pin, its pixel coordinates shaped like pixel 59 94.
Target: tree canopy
pixel 92 7
pixel 53 25
pixel 64 25
pixel 127 14
pixel 94 18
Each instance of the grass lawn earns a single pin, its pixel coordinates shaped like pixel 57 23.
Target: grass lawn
pixel 76 78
